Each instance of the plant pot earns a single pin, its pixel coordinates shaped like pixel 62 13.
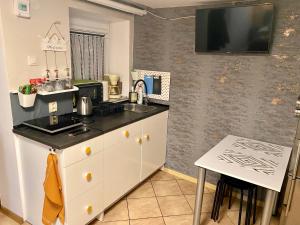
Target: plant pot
pixel 26 101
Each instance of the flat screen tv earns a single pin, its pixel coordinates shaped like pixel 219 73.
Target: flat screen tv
pixel 242 29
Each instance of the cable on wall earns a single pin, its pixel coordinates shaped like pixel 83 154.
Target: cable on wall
pixel 231 2
pixel 170 19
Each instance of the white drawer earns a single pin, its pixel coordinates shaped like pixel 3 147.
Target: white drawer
pixel 123 135
pixel 77 210
pixel 82 176
pixel 81 151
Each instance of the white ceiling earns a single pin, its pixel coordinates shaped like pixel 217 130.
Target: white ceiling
pixel 173 3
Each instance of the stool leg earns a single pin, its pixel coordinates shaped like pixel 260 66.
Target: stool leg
pixel 249 207
pixel 220 200
pixel 241 207
pixel 223 193
pixel 254 207
pixel 215 201
pixel 230 197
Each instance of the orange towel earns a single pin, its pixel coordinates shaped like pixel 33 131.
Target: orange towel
pixel 53 201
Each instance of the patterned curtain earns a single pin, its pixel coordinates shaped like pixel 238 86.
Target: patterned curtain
pixel 87 53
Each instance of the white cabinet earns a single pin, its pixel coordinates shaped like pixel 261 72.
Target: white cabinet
pixel 84 150
pixel 85 207
pixel 81 170
pixel 132 153
pixel 82 176
pixel 154 143
pixel 122 161
pixel 94 173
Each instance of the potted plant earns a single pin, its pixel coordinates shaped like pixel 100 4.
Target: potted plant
pixel 27 95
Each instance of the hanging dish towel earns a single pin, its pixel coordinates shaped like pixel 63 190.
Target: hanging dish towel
pixel 53 201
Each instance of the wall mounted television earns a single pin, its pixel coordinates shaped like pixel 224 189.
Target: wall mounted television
pixel 234 29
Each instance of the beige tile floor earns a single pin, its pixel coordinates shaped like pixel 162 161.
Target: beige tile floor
pixel 164 200
pixel 167 200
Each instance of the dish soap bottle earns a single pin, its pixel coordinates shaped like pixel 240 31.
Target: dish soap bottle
pixel 140 95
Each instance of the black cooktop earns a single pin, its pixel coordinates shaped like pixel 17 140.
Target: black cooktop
pixel 54 124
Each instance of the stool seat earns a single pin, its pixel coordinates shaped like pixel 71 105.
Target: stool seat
pixel 236 183
pixel 230 183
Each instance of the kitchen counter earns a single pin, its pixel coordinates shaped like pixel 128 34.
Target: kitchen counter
pixel 100 126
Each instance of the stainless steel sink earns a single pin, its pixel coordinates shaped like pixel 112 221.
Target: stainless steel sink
pixel 138 108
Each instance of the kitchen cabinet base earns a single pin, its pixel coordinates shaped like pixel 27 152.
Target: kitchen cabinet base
pixel 96 173
pixel 100 217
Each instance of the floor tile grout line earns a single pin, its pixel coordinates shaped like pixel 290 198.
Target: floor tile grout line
pixel 179 215
pixel 153 189
pixel 232 222
pixel 128 213
pixel 140 197
pixel 150 217
pixel 168 195
pixel 158 204
pixel 184 196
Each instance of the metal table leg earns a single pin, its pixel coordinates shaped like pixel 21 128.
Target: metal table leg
pixel 268 207
pixel 199 196
pixel 275 208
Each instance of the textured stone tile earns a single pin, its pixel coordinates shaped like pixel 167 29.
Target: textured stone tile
pixel 188 220
pixel 113 223
pixel 188 188
pixel 235 204
pixel 161 175
pixel 143 208
pixel 234 215
pixel 223 220
pixel 179 220
pixel 207 204
pixel 168 187
pixel 149 221
pixel 117 212
pixel 143 191
pixel 174 205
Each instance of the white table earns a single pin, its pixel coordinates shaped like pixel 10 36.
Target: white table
pixel 256 162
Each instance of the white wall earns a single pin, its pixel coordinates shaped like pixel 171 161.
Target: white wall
pixel 9 182
pixel 23 37
pixel 20 38
pixel 120 52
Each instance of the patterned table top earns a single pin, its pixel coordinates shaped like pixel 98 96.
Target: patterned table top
pixel 256 162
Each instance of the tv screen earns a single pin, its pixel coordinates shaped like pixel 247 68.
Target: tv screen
pixel 240 29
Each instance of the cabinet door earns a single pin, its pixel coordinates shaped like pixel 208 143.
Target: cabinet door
pixel 122 161
pixel 154 143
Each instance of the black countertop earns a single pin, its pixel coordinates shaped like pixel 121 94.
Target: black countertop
pixel 101 125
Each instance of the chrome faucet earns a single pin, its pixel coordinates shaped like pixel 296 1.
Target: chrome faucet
pixel 146 98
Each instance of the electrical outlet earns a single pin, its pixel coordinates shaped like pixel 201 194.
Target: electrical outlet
pixel 52 107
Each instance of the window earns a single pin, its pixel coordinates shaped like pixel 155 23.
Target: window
pixel 87 54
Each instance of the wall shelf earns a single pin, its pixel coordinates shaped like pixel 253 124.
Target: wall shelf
pixel 50 93
pixel 58 92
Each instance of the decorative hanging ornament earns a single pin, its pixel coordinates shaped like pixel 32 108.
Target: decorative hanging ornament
pixel 54 41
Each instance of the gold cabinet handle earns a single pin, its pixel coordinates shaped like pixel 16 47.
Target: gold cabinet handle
pixel 147 137
pixel 88 151
pixel 139 141
pixel 126 133
pixel 88 177
pixel 89 209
